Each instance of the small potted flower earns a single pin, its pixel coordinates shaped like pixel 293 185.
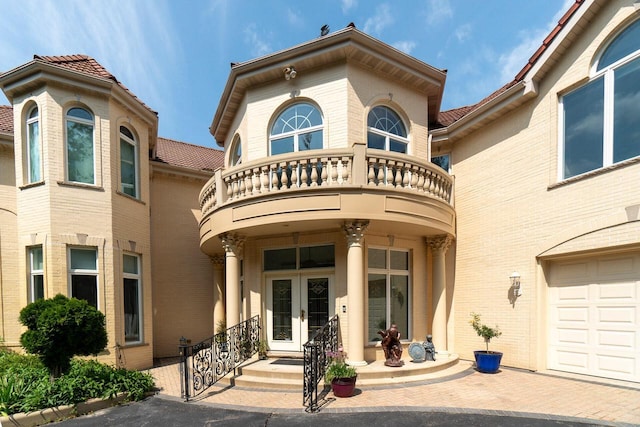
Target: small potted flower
pixel 486 361
pixel 340 375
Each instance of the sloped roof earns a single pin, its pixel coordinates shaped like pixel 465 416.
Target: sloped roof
pixel 6 119
pixel 86 65
pixel 182 154
pixel 446 118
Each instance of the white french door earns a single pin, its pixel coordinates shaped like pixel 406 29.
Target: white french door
pixel 297 306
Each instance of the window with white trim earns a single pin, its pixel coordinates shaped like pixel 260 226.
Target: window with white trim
pixel 601 119
pixel 36 273
pixel 34 149
pixel 132 298
pixel 83 274
pixel 128 163
pixel 443 161
pixel 386 131
pixel 80 147
pixel 388 291
pixel 236 151
pixel 298 128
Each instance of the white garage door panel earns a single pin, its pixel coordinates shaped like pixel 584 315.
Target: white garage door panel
pixel 594 317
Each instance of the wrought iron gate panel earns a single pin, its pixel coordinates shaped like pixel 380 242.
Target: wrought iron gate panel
pixel 316 361
pixel 205 363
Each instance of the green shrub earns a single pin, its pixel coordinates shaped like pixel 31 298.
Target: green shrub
pixel 25 384
pixel 60 328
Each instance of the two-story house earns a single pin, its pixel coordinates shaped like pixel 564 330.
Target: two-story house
pixel 343 189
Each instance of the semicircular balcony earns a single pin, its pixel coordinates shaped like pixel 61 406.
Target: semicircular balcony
pixel 316 190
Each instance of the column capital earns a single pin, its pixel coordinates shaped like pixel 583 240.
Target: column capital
pixel 232 243
pixel 354 231
pixel 441 242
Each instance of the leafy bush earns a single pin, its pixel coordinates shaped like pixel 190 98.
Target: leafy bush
pixel 484 331
pixel 60 328
pixel 25 384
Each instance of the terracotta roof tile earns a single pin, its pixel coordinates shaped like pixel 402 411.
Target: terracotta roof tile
pixel 6 119
pixel 87 65
pixel 190 156
pixel 446 118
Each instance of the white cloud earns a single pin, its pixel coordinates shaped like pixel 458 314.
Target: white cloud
pixel 405 46
pixel 463 32
pixel 378 22
pixel 259 47
pixel 124 39
pixel 347 5
pixel 294 18
pixel 531 39
pixel 439 10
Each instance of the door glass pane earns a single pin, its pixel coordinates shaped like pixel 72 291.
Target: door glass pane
pixel 317 304
pixel 282 321
pixel 583 128
pixel 377 305
pixel 399 303
pixel 626 110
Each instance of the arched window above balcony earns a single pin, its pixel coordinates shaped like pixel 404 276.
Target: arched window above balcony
pixel 386 131
pixel 297 128
pixel 235 157
pixel 34 150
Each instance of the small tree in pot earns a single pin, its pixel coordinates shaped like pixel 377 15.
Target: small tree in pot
pixel 486 361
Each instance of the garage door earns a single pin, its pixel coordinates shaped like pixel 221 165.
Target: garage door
pixel 594 317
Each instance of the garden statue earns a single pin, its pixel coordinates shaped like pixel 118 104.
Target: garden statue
pixel 392 346
pixel 429 349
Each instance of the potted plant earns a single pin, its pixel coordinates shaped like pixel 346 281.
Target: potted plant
pixel 340 375
pixel 486 361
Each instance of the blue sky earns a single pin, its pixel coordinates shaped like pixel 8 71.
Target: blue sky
pixel 175 55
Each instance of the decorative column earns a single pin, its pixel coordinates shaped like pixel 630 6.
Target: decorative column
pixel 355 291
pixel 439 246
pixel 218 290
pixel 232 244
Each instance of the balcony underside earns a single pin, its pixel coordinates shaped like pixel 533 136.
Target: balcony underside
pixel 390 211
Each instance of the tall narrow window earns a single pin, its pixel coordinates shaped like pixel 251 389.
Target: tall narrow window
pixel 36 274
pixel 297 128
pixel 388 291
pixel 236 151
pixel 132 299
pixel 34 162
pixel 385 130
pixel 128 163
pixel 601 119
pixel 80 149
pixel 83 274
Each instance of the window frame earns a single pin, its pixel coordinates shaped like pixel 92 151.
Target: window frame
pixel 235 151
pixel 386 133
pixel 139 294
pixel 389 272
pixel 131 141
pixel 72 272
pixel 29 122
pixel 298 131
pixel 80 121
pixel 34 273
pixel 607 74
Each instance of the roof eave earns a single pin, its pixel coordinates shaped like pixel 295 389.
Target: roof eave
pixel 169 169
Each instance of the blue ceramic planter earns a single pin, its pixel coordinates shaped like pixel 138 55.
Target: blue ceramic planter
pixel 488 362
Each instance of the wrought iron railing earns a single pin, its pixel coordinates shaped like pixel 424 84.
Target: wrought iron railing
pixel 316 361
pixel 205 363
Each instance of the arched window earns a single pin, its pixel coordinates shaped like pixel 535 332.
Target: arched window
pixel 385 130
pixel 297 128
pixel 236 151
pixel 34 151
pixel 601 119
pixel 80 148
pixel 128 163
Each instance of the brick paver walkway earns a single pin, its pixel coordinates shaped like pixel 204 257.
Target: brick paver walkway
pixel 510 390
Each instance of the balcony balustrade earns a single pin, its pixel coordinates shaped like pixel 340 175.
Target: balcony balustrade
pixel 326 169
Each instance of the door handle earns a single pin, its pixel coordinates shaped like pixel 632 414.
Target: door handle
pixel 302 315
